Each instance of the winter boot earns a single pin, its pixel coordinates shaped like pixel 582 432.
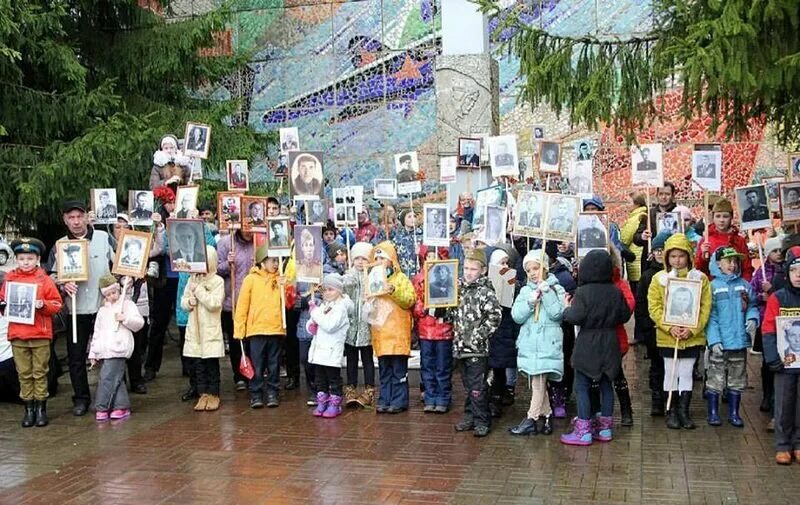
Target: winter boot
pixel 213 403
pixel 200 406
pixel 581 433
pixel 602 431
pixel 673 422
pixel 624 396
pixel 508 396
pixel 322 404
pixel 367 397
pixel 526 427
pixel 41 414
pixel 712 399
pixel 734 400
pixel 547 425
pixel 684 401
pixel 467 423
pixel 657 404
pixel 29 419
pixel 350 396
pixel 558 402
pixel 334 407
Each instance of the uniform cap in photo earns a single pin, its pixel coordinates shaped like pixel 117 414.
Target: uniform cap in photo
pixel 27 245
pixel 361 250
pixel 723 205
pixel 71 205
pixel 333 281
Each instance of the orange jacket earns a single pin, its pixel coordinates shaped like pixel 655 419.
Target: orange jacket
pixel 47 292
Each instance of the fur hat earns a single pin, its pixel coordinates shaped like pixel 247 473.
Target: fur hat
pixel 334 248
pixel 108 283
pixel 723 205
pixel 476 255
pixel 333 281
pixel 361 250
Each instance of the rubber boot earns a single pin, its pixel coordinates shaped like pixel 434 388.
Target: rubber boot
pixel 29 419
pixel 581 433
pixel 712 399
pixel 657 404
pixel 673 422
pixel 41 414
pixel 734 400
pixel 684 401
pixel 624 396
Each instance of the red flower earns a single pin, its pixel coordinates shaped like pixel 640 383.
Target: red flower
pixel 164 194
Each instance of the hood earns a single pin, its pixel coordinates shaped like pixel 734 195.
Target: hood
pixel 211 254
pixel 595 200
pixel 263 273
pixel 792 255
pixel 387 247
pixel 713 268
pixel 679 241
pixel 595 268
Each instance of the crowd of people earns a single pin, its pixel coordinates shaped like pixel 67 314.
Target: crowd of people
pixel 251 306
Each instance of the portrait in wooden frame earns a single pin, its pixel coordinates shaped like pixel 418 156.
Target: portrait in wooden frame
pixel 441 284
pixel 133 253
pixel 72 260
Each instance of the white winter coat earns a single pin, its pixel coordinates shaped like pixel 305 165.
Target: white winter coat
pixel 333 320
pixel 108 341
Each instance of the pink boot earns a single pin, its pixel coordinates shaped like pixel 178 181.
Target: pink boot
pixel 581 434
pixel 120 413
pixel 101 415
pixel 334 407
pixel 322 403
pixel 602 431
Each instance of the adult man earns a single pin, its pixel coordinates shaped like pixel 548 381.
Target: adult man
pixel 468 157
pixel 307 181
pixel 87 297
pixel 256 212
pixel 273 207
pixel 550 153
pixel 140 212
pixel 756 210
pixel 562 219
pixel 791 337
pixel 190 247
pixel 584 152
pixel 531 215
pixel 592 237
pixel 278 236
pixel 706 169
pixel 74 262
pixel 238 176
pixel 645 165
pixel 197 139
pixel 494 225
pixel 665 202
pixel 318 212
pixel 22 304
pixel 106 209
pixel 186 206
pixel 406 172
pixel 441 284
pixel 503 158
pixel 230 208
pixel 283 166
pixel 681 303
pixel 668 223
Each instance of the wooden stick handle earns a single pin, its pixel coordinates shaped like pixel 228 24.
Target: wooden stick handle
pixel 649 224
pixel 672 373
pixel 283 293
pixel 74 319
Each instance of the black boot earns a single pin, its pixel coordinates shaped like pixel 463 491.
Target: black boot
pixel 41 414
pixel 190 394
pixel 496 405
pixel 508 396
pixel 657 404
pixel 673 422
pixel 547 425
pixel 683 410
pixel 624 396
pixel 30 414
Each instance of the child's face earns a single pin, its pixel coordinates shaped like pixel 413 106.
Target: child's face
pixel 794 276
pixel 563 247
pixel 328 236
pixel 729 265
pixel 678 259
pixel 330 294
pixel 534 271
pixel 430 256
pixel 360 262
pixel 658 255
pixel 386 262
pixel 503 262
pixel 27 261
pixel 341 257
pixel 473 270
pixel 775 256
pixel 722 220
pixel 270 265
pixel 411 220
pixel 113 296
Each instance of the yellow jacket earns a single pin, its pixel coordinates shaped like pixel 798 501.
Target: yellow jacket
pixel 393 337
pixel 626 234
pixel 655 297
pixel 259 307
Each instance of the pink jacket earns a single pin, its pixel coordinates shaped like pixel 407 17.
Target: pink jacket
pixel 110 342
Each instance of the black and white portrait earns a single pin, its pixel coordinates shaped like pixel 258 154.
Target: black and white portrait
pixel 790 201
pixel 494 231
pixel 788 333
pixel 550 157
pixel 385 189
pixel 305 175
pixel 278 236
pixel 493 195
pixel 317 212
pixel 72 261
pixel 197 140
pixel 229 210
pixel 592 232
pixel 580 177
pixel 682 304
pixel 646 161
pixel 406 167
pixel 133 253
pixel 773 192
pixel 308 253
pixel 140 207
pixel 670 222
pixel 707 166
pixel 435 229
pixel 104 204
pixel 197 169
pixel 583 150
pixel 794 167
pixel 238 175
pixel 289 139
pixel 20 302
pixel 376 280
pixel 753 208
pixel 503 156
pixel 186 201
pixel 255 213
pixel 537 132
pixel 282 168
pixel 562 217
pixel 529 214
pixel 347 201
pixel 187 246
pixel 441 288
pixel 469 152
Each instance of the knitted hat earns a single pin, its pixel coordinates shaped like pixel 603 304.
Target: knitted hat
pixel 108 283
pixel 723 205
pixel 773 243
pixel 27 245
pixel 334 248
pixel 660 240
pixel 685 212
pixel 535 256
pixel 168 139
pixel 333 281
pixel 793 257
pixel 476 255
pixel 361 250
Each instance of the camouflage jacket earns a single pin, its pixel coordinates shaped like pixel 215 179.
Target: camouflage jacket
pixel 476 318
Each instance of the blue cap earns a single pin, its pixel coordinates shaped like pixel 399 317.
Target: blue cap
pixel 660 240
pixel 595 200
pixel 27 245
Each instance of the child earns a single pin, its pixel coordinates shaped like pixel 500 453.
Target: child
pixel 358 342
pixel 258 318
pixel 539 345
pixel 477 317
pixel 112 343
pixel 598 307
pixel 435 327
pixel 646 327
pixel 203 299
pixel 722 233
pixel 502 345
pixel 30 343
pixel 337 259
pixel 690 341
pixel 785 301
pixel 333 320
pixel 731 327
pixel 392 339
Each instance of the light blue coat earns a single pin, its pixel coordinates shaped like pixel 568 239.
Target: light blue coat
pixel 540 342
pixel 726 325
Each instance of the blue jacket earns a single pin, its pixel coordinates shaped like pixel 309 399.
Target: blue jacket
pixel 540 343
pixel 726 325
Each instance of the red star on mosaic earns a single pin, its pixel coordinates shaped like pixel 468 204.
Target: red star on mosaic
pixel 409 70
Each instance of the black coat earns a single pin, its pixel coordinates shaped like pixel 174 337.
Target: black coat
pixel 598 308
pixel 503 344
pixel 642 310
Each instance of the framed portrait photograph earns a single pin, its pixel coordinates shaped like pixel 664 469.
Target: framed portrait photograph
pixel 187 245
pixel 238 175
pixel 537 133
pixel 529 215
pixel 141 205
pixel 682 302
pixel 494 231
pixel 583 150
pixel 384 189
pixel 793 171
pixel 441 284
pixel 562 217
pixel 435 228
pixel 197 140
pixel 503 156
pixel 289 139
pixel 669 221
pixel 773 192
pixel 448 166
pixel 278 236
pixel 255 213
pixel 580 177
pixel 104 205
pixel 406 168
pixel 377 283
pixel 647 167
pixel 788 333
pixel 72 260
pixel 707 166
pixel 789 196
pixel 306 175
pixel 186 201
pixel 493 195
pixel 133 253
pixel 592 232
pixel 308 253
pixel 549 157
pixel 229 211
pixel 752 207
pixel 20 302
pixel 197 170
pixel 317 211
pixel 526 168
pixel 469 152
pixel 282 166
pixel 347 202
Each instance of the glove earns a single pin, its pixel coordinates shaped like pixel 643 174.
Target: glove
pixel 716 349
pixel 543 287
pixel 750 328
pixel 534 298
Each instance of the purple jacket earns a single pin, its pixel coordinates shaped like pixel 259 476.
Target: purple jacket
pixel 245 258
pixel 772 270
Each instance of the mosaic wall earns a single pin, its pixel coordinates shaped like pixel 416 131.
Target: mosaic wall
pixel 357 78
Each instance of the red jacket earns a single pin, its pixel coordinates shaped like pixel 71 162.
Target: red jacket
pixel 428 326
pixel 717 240
pixel 366 232
pixel 42 327
pixel 622 335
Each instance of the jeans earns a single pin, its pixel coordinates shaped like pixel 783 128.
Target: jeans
pixel 206 375
pixel 305 345
pixel 393 372
pixel 352 354
pixel 787 412
pixel 163 308
pixel 234 349
pixel 436 368
pixel 583 383
pixel 261 347
pixel 111 391
pixel 76 356
pixel 476 399
pixel 135 361
pixel 329 379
